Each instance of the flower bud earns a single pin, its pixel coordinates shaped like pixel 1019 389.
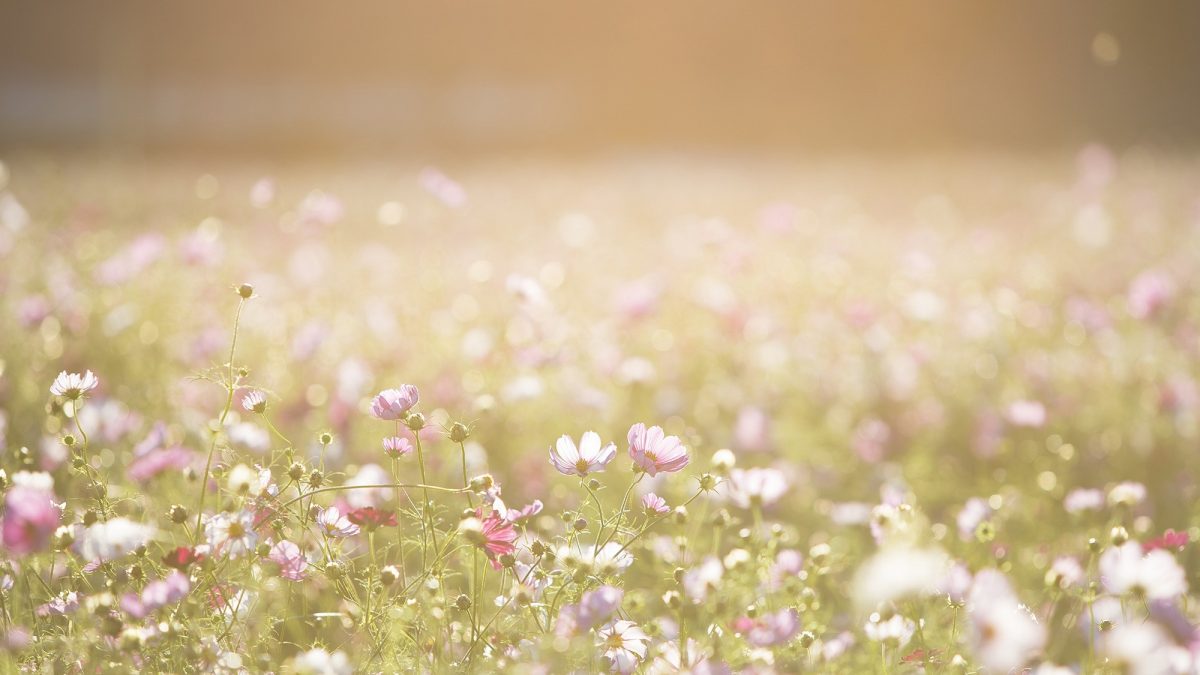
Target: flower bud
pixel 69 440
pixel 482 482
pixel 723 460
pixel 315 478
pixel 296 471
pixel 459 432
pixel 90 517
pixel 178 514
pixel 1119 535
pixel 672 599
pixel 335 570
pixel 580 524
pixel 681 515
pixel 325 438
pixel 415 421
pixel 472 530
pixel 462 603
pixel 708 482
pixel 246 291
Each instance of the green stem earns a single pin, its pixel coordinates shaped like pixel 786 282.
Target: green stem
pixel 212 448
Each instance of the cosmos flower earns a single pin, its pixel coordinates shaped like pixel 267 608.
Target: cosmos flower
pixel 255 401
pixel 317 661
pixel 653 451
pixel 492 533
pixel 291 560
pixel 156 595
pixel 611 558
pixel 73 385
pixel 769 630
pixel 393 404
pixel 654 505
pixel 1169 540
pixel 395 446
pixel 372 518
pixel 528 511
pixel 895 630
pixel 624 644
pixel 30 519
pixel 763 486
pixel 1127 494
pixel 594 608
pixel 231 534
pixel 112 539
pixel 1083 499
pixel 1154 575
pixel 182 557
pixel 1005 634
pixel 333 524
pixel 589 457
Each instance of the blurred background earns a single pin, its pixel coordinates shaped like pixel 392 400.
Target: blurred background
pixel 307 77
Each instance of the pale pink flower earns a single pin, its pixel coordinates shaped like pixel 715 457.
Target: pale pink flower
pixel 291 560
pixel 30 519
pixel 528 511
pixel 594 608
pixel 1149 293
pixel 588 457
pixel 395 446
pixel 333 523
pixel 763 486
pixel 770 629
pixel 1154 575
pixel 654 505
pixel 1083 499
pixel 446 189
pixel 255 401
pixel 392 404
pixel 653 451
pixel 73 385
pixel 1026 413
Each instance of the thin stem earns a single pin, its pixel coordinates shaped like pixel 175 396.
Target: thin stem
pixel 212 448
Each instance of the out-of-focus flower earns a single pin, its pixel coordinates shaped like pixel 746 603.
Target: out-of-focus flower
pixel 594 608
pixel 73 385
pixel 589 457
pixel 1154 575
pixel 624 644
pixel 291 560
pixel 1026 413
pixel 752 430
pixel 368 474
pixel 895 630
pixel 182 557
pixel 1127 494
pixel 112 539
pixel 395 446
pixel 157 594
pixel 653 451
pixel 528 511
pixel 1005 634
pixel 392 404
pixel 438 184
pixel 974 512
pixel 1149 293
pixel 262 193
pixel 770 629
pixel 372 518
pixel 1144 649
pixel 761 486
pixel 317 661
pixel 897 572
pixel 1083 499
pixel 871 439
pixel 1169 540
pixel 30 519
pixel 333 523
pixel 652 504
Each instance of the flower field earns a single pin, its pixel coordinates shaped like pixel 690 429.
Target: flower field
pixel 653 414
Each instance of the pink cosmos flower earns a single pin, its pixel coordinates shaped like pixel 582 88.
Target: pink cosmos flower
pixel 395 446
pixel 30 518
pixel 152 458
pixel 654 505
pixel 156 595
pixel 291 560
pixel 392 404
pixel 770 629
pixel 764 486
pixel 73 385
pixel 528 511
pixel 653 451
pixel 1169 540
pixel 498 536
pixel 255 401
pixel 334 524
pixel 589 457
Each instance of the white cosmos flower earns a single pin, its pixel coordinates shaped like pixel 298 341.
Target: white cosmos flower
pixel 763 486
pixel 896 629
pixel 1155 575
pixel 37 480
pixel 1005 633
pixel 897 572
pixel 1144 649
pixel 73 385
pixel 609 559
pixel 231 534
pixel 624 644
pixel 317 661
pixel 112 539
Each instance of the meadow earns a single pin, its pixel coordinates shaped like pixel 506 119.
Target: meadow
pixel 639 414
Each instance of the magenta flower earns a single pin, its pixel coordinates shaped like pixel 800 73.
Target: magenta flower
pixel 653 451
pixel 395 446
pixel 30 518
pixel 770 629
pixel 654 505
pixel 589 457
pixel 392 404
pixel 495 535
pixel 291 561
